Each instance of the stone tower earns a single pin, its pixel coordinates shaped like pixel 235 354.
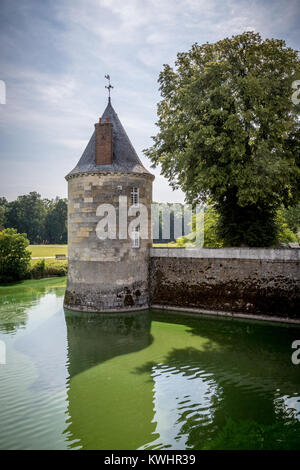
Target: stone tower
pixel 108 273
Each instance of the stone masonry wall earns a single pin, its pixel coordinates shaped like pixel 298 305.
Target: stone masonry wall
pixel 105 275
pixel 253 281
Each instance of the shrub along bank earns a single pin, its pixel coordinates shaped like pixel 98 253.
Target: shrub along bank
pixel 42 268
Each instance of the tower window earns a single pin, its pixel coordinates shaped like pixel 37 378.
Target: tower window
pixel 135 196
pixel 136 237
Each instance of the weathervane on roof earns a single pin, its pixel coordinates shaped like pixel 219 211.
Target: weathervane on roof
pixel 109 86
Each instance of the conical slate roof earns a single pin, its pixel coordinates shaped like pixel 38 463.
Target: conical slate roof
pixel 125 158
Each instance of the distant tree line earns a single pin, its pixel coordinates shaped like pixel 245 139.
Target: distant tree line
pixel 164 219
pixel 167 219
pixel 204 225
pixel 43 220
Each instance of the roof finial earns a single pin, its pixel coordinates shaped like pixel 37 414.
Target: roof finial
pixel 108 87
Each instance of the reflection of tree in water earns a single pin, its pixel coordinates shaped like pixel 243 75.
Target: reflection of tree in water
pixel 253 435
pixel 17 299
pixel 251 373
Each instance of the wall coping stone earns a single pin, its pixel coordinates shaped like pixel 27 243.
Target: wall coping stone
pixel 271 254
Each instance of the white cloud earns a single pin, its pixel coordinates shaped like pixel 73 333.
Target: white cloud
pixel 56 89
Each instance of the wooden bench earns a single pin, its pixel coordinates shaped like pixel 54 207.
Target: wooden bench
pixel 60 257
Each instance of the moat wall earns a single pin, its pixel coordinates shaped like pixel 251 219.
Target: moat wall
pixel 253 281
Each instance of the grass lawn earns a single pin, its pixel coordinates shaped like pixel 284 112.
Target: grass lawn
pixel 30 285
pixel 47 250
pixel 164 245
pixel 52 250
pixel 52 262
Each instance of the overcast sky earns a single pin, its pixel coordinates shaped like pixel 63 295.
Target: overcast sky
pixel 53 58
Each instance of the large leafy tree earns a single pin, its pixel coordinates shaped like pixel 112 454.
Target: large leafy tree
pixel 229 132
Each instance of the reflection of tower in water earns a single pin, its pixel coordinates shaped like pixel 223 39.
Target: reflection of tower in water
pixel 106 410
pixel 94 338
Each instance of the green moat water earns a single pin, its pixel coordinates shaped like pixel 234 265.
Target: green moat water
pixel 142 381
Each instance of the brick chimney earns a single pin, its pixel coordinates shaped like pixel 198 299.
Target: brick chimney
pixel 103 142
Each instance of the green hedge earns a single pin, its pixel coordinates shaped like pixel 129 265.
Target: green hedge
pixel 42 269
